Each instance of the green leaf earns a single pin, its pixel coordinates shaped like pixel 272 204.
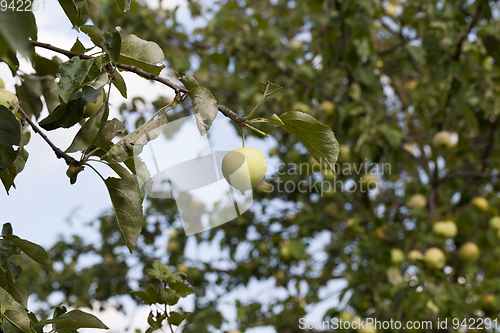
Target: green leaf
pixel 29 94
pixel 14 312
pixel 73 75
pixel 73 10
pixel 50 92
pixel 150 296
pixel 94 33
pixel 140 53
pixel 204 107
pixel 111 44
pixel 15 269
pixel 175 318
pixel 87 134
pixel 393 135
pixel 273 90
pixel 7 229
pixel 109 131
pixel 32 250
pixel 119 83
pixel 124 5
pixel 78 46
pixel 316 137
pixel 91 9
pixel 44 66
pixel 10 135
pixel 77 319
pixel 124 148
pixel 65 115
pixel 168 296
pixel 182 289
pixel 19 290
pixel 128 209
pixel 7 248
pixel 187 80
pixel 16 28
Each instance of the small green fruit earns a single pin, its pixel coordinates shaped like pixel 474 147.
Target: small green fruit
pixel 368 328
pixel 346 316
pixel 481 203
pixel 397 256
pixel 446 229
pixel 327 107
pixel 417 201
pixel 344 153
pixel 370 180
pixel 433 307
pixel 415 255
pixel 495 222
pixel 93 107
pixel 469 252
pixel 299 106
pixel 434 258
pixel 442 140
pixel 173 246
pixel 9 100
pixel 244 168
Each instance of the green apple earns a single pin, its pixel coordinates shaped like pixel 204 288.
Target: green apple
pixel 346 316
pixel 442 140
pixel 397 256
pixel 9 100
pixel 488 301
pixel 93 107
pixel 327 107
pixel 299 106
pixel 481 203
pixel 434 258
pixel 173 246
pixel 469 252
pixel 495 222
pixel 244 168
pixel 409 148
pixel 174 233
pixel 329 175
pixel 344 153
pixel 391 10
pixel 285 251
pixel 370 180
pixel 433 307
pixel 2 85
pixel 417 201
pixel 415 255
pixel 446 229
pixel 296 44
pixel 182 268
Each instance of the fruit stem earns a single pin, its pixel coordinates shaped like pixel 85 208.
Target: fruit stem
pixel 256 130
pixel 260 102
pixel 242 135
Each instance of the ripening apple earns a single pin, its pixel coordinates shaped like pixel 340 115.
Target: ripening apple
pixel 182 268
pixel 409 148
pixel 244 168
pixel 433 307
pixel 481 203
pixel 446 229
pixel 367 328
pixel 327 107
pixel 442 140
pixel 469 252
pixel 495 222
pixel 299 106
pixel 346 316
pixel 391 10
pixel 434 258
pixel 285 250
pixel 344 153
pixel 488 301
pixel 370 180
pixel 417 201
pixel 9 100
pixel 397 256
pixel 415 255
pixel 92 108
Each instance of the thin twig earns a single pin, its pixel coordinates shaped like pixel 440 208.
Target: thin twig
pixel 469 29
pixel 178 89
pixel 59 153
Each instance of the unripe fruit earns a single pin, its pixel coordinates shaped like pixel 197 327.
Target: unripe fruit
pixel 409 148
pixel 434 258
pixel 285 251
pixel 182 268
pixel 391 10
pixel 2 85
pixel 173 246
pixel 370 180
pixel 327 107
pixel 469 251
pixel 344 153
pixel 446 229
pixel 433 307
pixel 495 222
pixel 397 257
pixel 244 168
pixel 442 140
pixel 299 106
pixel 481 203
pixel 9 100
pixel 415 255
pixel 488 301
pixel 93 107
pixel 417 201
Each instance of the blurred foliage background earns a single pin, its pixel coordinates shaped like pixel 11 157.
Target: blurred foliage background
pixel 386 76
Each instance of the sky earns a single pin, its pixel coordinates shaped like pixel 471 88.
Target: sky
pixel 44 206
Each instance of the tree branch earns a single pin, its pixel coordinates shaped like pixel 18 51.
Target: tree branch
pixel 178 89
pixel 59 153
pixel 472 23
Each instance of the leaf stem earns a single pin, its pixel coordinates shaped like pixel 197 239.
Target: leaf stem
pixel 90 166
pixel 260 102
pixel 256 130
